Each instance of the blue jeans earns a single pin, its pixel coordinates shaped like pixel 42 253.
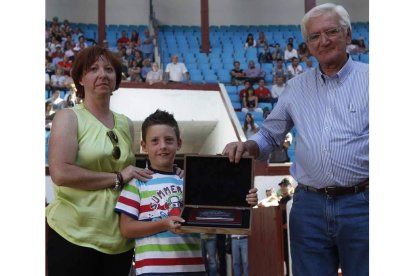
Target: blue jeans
pixel 209 254
pixel 328 232
pixel 239 252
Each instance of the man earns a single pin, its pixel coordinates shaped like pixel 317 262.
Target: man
pixel 285 187
pixel 270 200
pixel 263 93
pixel 277 88
pixel 294 68
pixel 237 74
pixel 253 73
pixel 280 155
pixel 280 69
pixel 290 52
pixel 176 71
pixel 147 46
pixel 328 106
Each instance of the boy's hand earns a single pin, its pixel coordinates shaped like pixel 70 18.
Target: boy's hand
pixel 174 222
pixel 178 171
pixel 251 197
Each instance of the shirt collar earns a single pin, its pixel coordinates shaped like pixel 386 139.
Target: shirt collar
pixel 163 172
pixel 340 76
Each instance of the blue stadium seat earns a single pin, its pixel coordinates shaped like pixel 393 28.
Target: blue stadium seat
pixel 236 105
pixel 258 116
pixel 210 78
pixel 364 58
pixel 265 105
pixel 355 57
pixel 224 78
pixel 240 115
pixel 216 66
pixel 196 78
pixel 232 89
pixel 234 98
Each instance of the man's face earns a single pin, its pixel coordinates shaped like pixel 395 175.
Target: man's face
pixel 174 59
pixel 279 81
pixel 261 83
pixel 329 51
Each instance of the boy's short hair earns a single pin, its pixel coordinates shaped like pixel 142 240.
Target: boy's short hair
pixel 159 117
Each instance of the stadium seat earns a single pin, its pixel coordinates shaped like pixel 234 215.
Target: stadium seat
pixel 224 78
pixel 265 105
pixel 237 105
pixel 196 78
pixel 364 58
pixel 210 78
pixel 234 98
pixel 231 89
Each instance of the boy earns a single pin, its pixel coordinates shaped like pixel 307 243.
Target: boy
pixel 150 210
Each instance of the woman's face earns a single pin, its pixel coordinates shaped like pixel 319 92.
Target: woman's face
pixel 100 77
pixel 248 118
pixel 154 67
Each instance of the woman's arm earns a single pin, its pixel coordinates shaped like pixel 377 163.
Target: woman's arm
pixel 63 147
pixel 132 228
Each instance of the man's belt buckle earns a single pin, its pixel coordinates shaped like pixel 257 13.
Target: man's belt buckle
pixel 330 190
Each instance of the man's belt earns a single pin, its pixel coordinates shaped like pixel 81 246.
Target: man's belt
pixel 337 191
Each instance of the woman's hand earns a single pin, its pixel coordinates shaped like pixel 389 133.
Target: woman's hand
pixel 131 172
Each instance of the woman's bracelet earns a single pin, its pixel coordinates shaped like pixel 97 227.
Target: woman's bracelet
pixel 119 182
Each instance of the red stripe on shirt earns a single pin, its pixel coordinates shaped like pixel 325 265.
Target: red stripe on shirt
pixel 172 261
pixel 147 208
pixel 129 202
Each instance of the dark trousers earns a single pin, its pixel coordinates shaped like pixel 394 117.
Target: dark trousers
pixel 221 252
pixel 67 259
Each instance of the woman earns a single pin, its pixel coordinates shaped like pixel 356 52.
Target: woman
pixel 303 52
pixel 135 38
pixel 155 75
pixel 261 41
pixel 250 101
pixel 249 127
pixel 90 157
pixel 134 71
pixel 49 113
pixel 250 42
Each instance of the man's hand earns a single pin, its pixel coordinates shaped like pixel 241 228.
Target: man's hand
pixel 235 150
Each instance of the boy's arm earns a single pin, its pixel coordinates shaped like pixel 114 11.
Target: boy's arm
pixel 132 228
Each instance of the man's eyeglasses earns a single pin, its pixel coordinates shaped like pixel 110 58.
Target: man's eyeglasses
pixel 331 33
pixel 116 152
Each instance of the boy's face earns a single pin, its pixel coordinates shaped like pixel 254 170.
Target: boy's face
pixel 161 144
